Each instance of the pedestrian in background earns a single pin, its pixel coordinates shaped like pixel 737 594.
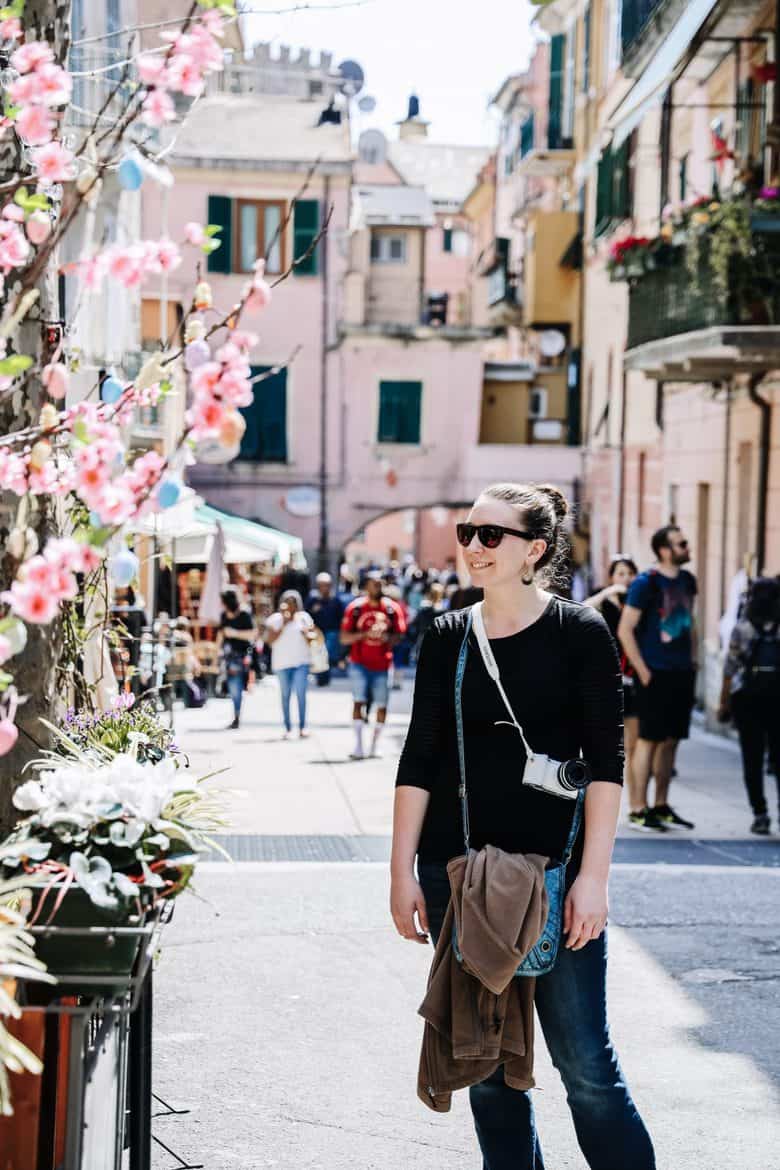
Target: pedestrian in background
pixel 658 634
pixel 290 632
pixel 235 637
pixel 609 602
pixel 433 604
pixel 559 668
pixel 372 626
pixel 327 610
pixel 751 692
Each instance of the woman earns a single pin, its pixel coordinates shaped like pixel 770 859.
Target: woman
pixel 289 632
pixel 609 602
pixel 235 638
pixel 433 604
pixel 559 668
pixel 751 692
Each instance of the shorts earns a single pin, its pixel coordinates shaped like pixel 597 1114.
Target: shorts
pixel 664 706
pixel 629 700
pixel 368 686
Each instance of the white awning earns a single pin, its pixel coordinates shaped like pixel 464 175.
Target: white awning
pixel 657 74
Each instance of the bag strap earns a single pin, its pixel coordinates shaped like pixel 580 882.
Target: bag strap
pixel 462 791
pixel 489 659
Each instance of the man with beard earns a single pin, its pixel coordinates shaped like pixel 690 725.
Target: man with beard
pixel 658 635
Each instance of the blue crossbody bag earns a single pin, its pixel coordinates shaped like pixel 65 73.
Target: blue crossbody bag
pixel 541 958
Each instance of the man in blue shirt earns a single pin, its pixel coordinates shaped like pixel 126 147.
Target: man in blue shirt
pixel 327 610
pixel 657 632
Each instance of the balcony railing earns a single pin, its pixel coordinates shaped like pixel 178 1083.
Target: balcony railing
pixel 669 301
pixel 635 16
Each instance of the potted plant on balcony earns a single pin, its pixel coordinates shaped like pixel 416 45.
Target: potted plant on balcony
pixel 628 257
pixel 765 216
pixel 108 832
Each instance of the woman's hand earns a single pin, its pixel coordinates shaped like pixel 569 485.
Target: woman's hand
pixel 585 911
pixel 406 896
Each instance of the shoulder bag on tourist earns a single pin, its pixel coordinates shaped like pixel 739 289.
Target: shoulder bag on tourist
pixel 566 780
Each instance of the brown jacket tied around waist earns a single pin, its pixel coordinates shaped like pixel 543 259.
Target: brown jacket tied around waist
pixel 477 1015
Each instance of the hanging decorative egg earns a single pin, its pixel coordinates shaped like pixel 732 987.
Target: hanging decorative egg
pixel 197 353
pixel 38 227
pixel 49 416
pixel 111 390
pixel 232 429
pixel 203 295
pixel 16 633
pixel 40 454
pixel 9 733
pixel 168 493
pixel 56 379
pixel 194 330
pixel 130 174
pixel 124 566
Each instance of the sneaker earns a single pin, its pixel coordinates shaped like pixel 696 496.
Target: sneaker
pixel 668 817
pixel 761 825
pixel 356 756
pixel 645 822
pixel 233 726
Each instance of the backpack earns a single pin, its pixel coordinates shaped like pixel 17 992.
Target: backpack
pixel 762 671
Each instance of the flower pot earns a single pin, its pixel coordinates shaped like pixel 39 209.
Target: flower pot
pixel 764 222
pixel 102 954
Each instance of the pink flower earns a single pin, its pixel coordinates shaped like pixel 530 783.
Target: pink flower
pixel 13 211
pixel 127 265
pixel 259 296
pixel 32 603
pixel 31 55
pixel 14 248
pixel 90 558
pixel 236 388
pixel 194 234
pixel 208 416
pixel 54 85
pixel 185 76
pixel 25 90
pixel 61 552
pixel 168 255
pixel 244 340
pixel 35 125
pixel 115 504
pixel 158 108
pixel 151 68
pixel 54 163
pixel 206 379
pixel 92 272
pixel 10 29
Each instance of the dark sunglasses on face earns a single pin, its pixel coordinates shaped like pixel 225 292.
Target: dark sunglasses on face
pixel 490 535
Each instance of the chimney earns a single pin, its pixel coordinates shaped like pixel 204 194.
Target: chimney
pixel 413 126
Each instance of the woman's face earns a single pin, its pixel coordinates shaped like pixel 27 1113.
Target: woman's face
pixel 287 609
pixel 622 575
pixel 499 566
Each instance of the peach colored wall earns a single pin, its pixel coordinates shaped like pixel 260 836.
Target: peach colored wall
pixel 446 272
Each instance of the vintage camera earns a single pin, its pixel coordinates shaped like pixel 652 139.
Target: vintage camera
pixel 558 779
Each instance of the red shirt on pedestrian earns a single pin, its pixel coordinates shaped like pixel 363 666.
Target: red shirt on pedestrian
pixel 380 619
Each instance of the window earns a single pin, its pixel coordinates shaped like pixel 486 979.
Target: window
pixel 386 249
pixel 683 178
pixel 613 189
pixel 259 232
pixel 674 502
pixel 537 402
pixel 306 225
pixel 265 437
pixel 446 240
pixel 399 412
pixel 554 134
pixel 527 136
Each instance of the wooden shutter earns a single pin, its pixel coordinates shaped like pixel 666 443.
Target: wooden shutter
pixel 557 45
pixel 399 412
pixel 306 224
pixel 220 212
pixel 621 182
pixel 447 240
pixel 603 193
pixel 265 438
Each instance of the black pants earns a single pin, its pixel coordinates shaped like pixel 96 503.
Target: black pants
pixel 758 724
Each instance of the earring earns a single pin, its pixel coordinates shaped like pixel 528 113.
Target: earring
pixel 527 576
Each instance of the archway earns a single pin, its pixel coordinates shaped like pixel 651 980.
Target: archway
pixel 425 533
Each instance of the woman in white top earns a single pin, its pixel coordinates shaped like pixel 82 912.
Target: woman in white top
pixel 289 633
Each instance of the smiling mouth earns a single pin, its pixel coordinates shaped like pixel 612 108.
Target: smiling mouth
pixel 480 564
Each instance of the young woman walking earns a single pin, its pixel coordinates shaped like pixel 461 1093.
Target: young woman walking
pixel 609 601
pixel 289 633
pixel 560 671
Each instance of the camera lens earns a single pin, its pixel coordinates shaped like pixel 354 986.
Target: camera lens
pixel 574 774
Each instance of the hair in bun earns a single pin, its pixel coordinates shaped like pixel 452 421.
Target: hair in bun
pixel 541 509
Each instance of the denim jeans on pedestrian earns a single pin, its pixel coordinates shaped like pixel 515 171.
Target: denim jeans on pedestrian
pixel 236 681
pixel 572 1009
pixel 293 678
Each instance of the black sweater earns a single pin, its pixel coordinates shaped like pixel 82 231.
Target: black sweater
pixel 563 680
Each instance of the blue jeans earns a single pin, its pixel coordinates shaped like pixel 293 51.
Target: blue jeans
pixel 293 678
pixel 236 681
pixel 572 1007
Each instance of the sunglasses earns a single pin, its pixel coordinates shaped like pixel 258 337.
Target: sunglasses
pixel 490 535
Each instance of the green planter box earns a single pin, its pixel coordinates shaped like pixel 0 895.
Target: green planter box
pixel 102 954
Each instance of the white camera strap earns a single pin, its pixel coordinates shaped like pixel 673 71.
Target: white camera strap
pixel 489 659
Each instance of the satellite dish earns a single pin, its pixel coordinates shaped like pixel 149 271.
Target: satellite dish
pixel 552 342
pixel 372 147
pixel 367 104
pixel 352 76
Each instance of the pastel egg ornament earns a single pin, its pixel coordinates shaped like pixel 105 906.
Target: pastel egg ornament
pixel 124 566
pixel 9 733
pixel 38 227
pixel 111 390
pixel 56 379
pixel 168 492
pixel 15 633
pixel 196 354
pixel 130 174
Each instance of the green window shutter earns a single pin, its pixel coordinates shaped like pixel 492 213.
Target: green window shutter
pixel 447 239
pixel 621 183
pixel 603 192
pixel 306 224
pixel 399 412
pixel 265 438
pixel 220 212
pixel 554 124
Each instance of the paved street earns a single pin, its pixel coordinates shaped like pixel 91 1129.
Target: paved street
pixel 286 1005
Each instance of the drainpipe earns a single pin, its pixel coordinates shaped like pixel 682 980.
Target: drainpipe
pixel 622 488
pixel 765 407
pixel 322 555
pixel 724 515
